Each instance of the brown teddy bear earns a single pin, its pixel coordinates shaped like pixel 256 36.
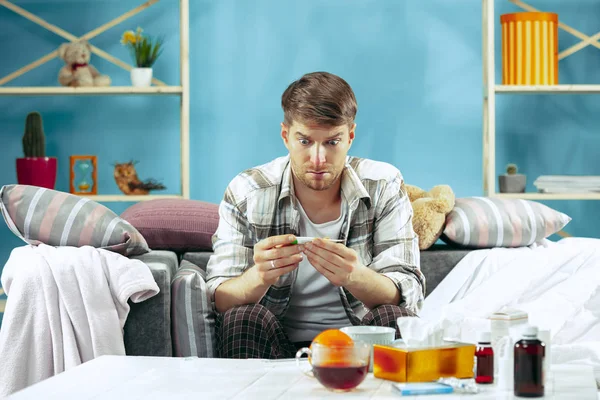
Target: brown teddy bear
pixel 430 211
pixel 78 71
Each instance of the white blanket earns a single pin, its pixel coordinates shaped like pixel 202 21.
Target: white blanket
pixel 65 306
pixel 556 283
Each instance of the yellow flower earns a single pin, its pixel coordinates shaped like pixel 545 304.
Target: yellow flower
pixel 138 33
pixel 128 38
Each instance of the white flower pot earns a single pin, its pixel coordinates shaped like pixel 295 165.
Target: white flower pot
pixel 141 77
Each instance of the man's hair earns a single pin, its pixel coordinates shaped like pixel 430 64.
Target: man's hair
pixel 320 98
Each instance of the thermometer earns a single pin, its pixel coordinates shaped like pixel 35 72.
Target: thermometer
pixel 305 239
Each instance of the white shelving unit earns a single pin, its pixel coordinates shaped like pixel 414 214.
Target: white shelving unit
pixel 548 89
pixel 2 302
pixel 86 91
pixel 160 88
pixel 491 89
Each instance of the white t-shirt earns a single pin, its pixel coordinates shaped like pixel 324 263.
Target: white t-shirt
pixel 315 304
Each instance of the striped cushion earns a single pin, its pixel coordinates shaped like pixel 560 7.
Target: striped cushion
pixel 483 222
pixel 38 215
pixel 192 315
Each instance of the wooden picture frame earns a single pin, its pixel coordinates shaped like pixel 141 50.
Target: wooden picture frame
pixel 81 188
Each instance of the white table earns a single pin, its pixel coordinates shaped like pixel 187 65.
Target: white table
pixel 114 377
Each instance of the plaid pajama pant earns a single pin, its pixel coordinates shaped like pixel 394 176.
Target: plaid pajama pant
pixel 252 331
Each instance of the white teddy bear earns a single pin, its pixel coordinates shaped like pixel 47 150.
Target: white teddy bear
pixel 78 71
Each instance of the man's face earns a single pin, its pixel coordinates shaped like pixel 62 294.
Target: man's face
pixel 317 153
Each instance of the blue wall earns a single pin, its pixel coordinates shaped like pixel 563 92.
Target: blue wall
pixel 415 66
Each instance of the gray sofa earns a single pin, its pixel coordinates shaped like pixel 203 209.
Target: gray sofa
pixel 149 330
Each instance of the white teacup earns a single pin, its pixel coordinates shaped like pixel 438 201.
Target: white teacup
pixel 372 335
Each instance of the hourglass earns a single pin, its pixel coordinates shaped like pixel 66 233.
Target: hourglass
pixel 83 175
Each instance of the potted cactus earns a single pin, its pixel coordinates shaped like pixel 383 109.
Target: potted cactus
pixel 35 168
pixel 512 181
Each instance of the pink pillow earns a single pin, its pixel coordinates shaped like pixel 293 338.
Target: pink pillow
pixel 175 224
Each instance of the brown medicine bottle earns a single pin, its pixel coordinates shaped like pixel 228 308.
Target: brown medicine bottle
pixel 529 359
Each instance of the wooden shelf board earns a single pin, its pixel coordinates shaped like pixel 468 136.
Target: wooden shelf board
pixel 93 91
pixel 2 305
pixel 125 198
pixel 548 89
pixel 548 196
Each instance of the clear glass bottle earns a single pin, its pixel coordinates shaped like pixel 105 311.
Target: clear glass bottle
pixel 529 360
pixel 484 359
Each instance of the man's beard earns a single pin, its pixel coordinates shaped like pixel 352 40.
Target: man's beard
pixel 316 184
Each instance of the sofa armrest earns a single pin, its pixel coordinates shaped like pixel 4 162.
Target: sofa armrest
pixel 147 330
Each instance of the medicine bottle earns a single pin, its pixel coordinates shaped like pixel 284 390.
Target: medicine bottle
pixel 484 359
pixel 529 360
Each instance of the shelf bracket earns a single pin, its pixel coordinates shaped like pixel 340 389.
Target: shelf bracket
pixel 68 36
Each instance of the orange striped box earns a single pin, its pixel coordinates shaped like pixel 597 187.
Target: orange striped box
pixel 529 48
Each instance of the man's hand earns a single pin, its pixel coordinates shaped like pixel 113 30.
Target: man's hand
pixel 273 257
pixel 336 262
pixel 276 256
pixel 342 267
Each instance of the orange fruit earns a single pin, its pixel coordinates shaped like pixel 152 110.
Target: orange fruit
pixel 337 342
pixel 333 338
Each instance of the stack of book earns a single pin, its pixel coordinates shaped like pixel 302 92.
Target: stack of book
pixel 567 184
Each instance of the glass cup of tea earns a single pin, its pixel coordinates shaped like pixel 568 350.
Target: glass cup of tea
pixel 338 368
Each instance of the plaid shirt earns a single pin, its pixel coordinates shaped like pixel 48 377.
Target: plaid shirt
pixel 260 202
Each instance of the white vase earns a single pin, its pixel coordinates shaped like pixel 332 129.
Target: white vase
pixel 141 77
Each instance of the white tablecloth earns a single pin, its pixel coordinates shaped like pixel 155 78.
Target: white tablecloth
pixel 120 377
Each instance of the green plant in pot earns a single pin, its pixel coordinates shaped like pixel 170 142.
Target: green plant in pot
pixel 35 168
pixel 512 181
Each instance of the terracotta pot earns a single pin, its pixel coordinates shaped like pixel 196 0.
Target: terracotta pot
pixel 37 171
